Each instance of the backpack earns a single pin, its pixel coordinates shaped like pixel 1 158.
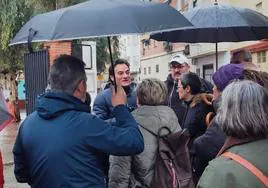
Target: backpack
pixel 172 168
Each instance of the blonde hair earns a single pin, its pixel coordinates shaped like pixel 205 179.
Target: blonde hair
pixel 152 92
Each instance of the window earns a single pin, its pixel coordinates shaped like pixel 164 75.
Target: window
pixel 149 70
pixel 144 71
pixel 261 57
pixel 156 68
pixel 208 72
pixel 259 7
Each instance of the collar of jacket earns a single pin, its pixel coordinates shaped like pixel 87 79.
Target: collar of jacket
pixel 192 103
pixel 170 80
pixel 231 141
pixel 53 104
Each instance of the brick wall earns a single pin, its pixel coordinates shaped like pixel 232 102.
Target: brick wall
pixel 58 48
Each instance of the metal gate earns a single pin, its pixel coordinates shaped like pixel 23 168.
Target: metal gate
pixel 36 67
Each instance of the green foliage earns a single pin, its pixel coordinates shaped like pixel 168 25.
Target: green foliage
pixel 103 55
pixel 115 47
pixel 13 14
pixel 49 5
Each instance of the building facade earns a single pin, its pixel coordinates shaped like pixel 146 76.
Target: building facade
pixel 155 56
pixel 130 50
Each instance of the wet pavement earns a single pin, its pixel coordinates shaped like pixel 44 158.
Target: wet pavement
pixel 7 139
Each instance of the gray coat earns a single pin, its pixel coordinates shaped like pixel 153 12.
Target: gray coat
pixel 132 171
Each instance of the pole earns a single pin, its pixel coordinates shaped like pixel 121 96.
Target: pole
pixel 111 59
pixel 216 56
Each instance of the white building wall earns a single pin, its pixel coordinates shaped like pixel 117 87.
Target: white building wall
pixel 130 50
pixel 162 61
pixel 223 57
pixel 89 57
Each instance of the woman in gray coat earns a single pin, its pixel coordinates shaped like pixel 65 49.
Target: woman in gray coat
pixel 137 171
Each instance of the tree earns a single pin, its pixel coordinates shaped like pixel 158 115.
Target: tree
pixel 13 14
pixel 103 54
pixel 49 5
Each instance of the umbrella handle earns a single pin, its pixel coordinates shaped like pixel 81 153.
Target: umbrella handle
pixel 31 35
pixel 112 63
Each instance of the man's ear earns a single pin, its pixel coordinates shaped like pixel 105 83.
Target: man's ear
pixel 188 89
pixel 81 85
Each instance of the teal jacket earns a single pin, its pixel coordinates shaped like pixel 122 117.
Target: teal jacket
pixel 226 173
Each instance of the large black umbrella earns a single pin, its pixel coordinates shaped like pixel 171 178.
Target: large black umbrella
pixel 219 23
pixel 98 18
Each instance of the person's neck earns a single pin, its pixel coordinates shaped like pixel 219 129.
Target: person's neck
pixel 189 98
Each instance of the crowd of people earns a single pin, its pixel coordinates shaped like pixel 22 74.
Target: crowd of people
pixel 66 144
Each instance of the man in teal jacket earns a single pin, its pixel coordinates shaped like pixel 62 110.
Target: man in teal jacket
pixel 61 144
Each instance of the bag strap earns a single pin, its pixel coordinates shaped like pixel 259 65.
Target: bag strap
pixel 247 165
pixel 148 130
pixel 158 135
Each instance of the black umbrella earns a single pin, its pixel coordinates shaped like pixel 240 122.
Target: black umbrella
pixel 219 23
pixel 98 18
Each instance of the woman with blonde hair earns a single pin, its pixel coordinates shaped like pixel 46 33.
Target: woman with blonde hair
pixel 243 117
pixel 151 114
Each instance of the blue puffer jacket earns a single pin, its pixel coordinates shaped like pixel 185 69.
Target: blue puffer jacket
pixel 61 144
pixel 103 108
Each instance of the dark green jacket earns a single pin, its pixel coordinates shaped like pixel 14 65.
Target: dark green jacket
pixel 226 173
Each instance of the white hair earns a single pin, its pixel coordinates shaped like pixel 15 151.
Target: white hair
pixel 243 110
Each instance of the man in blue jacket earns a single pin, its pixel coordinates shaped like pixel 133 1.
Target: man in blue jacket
pixel 102 106
pixel 61 144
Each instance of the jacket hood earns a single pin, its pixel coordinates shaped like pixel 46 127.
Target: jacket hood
pixel 155 117
pixel 52 104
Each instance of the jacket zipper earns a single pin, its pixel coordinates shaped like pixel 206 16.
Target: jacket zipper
pixel 170 96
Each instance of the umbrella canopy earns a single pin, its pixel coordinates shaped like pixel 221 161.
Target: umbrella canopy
pixel 219 23
pixel 98 18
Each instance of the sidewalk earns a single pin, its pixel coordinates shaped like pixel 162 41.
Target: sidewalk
pixel 7 139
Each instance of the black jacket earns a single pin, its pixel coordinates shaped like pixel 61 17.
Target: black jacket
pixel 194 118
pixel 173 96
pixel 206 147
pixel 174 101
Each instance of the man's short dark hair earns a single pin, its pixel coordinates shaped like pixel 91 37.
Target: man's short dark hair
pixel 65 74
pixel 117 62
pixel 193 81
pixel 241 55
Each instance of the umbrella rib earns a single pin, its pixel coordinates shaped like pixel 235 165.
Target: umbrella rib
pixel 241 16
pixel 53 33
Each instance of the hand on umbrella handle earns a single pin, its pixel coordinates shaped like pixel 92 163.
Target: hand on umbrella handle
pixel 118 97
